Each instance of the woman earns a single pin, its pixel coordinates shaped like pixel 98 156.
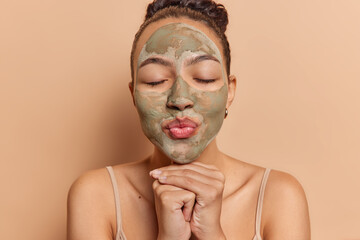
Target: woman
pixel 187 189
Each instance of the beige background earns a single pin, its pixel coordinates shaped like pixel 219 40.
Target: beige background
pixel 65 106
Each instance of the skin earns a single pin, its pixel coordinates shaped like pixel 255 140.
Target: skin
pixel 177 43
pixel 213 197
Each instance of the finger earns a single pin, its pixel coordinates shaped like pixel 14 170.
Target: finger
pixel 158 187
pixel 187 173
pixel 204 192
pixel 180 200
pixel 195 167
pixel 188 206
pixel 209 166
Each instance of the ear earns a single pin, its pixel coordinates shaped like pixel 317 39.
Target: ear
pixel 231 90
pixel 131 88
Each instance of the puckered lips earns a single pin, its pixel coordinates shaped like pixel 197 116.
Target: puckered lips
pixel 180 127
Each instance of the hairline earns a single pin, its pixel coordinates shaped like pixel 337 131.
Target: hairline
pixel 178 13
pixel 212 37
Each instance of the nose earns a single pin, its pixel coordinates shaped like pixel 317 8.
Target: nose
pixel 179 98
pixel 180 104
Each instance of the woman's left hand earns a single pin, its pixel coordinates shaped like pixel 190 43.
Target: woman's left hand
pixel 207 183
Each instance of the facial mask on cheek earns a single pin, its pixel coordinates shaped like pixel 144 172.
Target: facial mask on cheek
pixel 176 42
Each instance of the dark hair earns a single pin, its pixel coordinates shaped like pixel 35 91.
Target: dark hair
pixel 212 14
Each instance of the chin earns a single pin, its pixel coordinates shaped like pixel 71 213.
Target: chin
pixel 182 153
pixel 184 157
pixel 183 160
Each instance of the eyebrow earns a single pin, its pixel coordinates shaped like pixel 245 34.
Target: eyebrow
pixel 156 60
pixel 200 59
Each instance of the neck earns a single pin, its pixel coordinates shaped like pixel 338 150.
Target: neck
pixel 211 155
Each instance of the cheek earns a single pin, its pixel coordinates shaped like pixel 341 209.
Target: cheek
pixel 211 104
pixel 151 111
pixel 150 106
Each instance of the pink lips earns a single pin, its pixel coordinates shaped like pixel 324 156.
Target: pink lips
pixel 181 128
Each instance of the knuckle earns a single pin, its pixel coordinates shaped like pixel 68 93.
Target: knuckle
pixel 165 197
pixel 213 193
pixel 221 177
pixel 213 167
pixel 155 185
pixel 187 172
pixel 218 185
pixel 158 188
pixel 188 181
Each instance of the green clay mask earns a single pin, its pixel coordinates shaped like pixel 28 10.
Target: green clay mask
pixel 180 76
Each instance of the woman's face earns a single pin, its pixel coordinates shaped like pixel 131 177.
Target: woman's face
pixel 180 89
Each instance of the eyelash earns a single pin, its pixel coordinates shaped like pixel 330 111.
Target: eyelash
pixel 204 81
pixel 199 80
pixel 153 84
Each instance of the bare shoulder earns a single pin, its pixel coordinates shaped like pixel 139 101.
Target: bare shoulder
pixel 90 182
pixel 90 206
pixel 285 210
pixel 284 185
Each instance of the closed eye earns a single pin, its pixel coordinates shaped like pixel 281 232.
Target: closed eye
pixel 153 84
pixel 204 81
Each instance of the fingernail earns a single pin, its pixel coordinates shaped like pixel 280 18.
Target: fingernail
pixel 155 173
pixel 162 179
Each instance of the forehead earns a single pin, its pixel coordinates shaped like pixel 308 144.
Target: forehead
pixel 179 38
pixel 181 34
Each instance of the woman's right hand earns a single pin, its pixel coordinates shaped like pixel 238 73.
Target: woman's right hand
pixel 174 207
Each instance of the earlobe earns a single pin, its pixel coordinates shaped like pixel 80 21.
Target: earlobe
pixel 231 90
pixel 131 88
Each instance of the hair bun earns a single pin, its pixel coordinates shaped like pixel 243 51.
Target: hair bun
pixel 209 8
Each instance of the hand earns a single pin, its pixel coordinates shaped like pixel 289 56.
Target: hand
pixel 207 183
pixel 173 209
